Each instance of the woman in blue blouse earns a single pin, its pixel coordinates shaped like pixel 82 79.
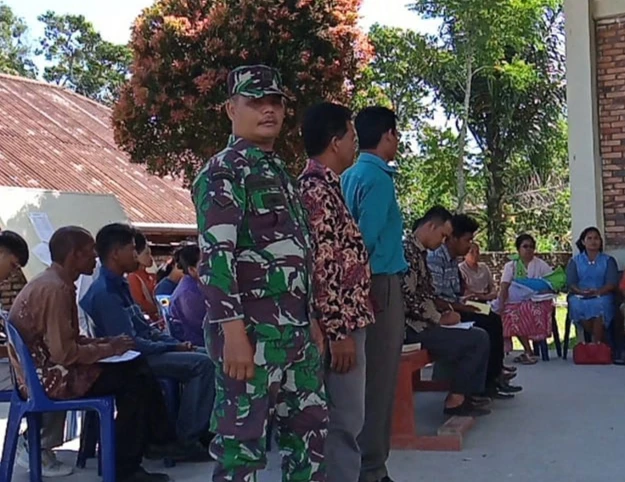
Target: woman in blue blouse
pixel 592 277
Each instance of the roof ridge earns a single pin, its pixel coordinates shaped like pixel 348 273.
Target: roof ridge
pixel 44 83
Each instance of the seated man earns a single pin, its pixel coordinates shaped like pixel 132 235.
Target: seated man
pixel 114 312
pixel 443 264
pixel 188 303
pixel 466 350
pixel 13 255
pixel 45 314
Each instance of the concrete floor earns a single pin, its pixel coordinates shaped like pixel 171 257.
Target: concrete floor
pixel 567 425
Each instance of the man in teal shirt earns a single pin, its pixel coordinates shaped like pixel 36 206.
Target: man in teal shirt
pixel 370 195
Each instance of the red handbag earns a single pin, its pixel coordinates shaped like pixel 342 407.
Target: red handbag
pixel 592 354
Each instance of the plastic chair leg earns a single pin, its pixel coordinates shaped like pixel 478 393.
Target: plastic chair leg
pixel 556 335
pixel 34 446
pixel 567 335
pixel 10 443
pixel 107 445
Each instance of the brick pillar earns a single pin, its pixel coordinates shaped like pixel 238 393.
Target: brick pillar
pixel 610 37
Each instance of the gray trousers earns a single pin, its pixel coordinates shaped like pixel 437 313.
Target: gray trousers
pixel 196 373
pixel 466 350
pixel 52 430
pixel 346 403
pixel 383 351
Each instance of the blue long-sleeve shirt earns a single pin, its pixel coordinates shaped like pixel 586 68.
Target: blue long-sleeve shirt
pixel 110 305
pixel 369 192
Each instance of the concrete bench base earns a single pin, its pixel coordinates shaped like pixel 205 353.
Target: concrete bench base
pixel 405 431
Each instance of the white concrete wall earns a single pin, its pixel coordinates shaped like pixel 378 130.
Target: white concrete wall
pixel 606 8
pixel 584 159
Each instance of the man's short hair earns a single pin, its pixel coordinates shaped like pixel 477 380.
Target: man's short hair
pixel 66 240
pixel 323 122
pixel 372 123
pixel 111 237
pixel 188 257
pixel 437 215
pixel 16 245
pixel 463 224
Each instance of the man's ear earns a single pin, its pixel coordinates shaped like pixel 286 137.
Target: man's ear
pixel 230 108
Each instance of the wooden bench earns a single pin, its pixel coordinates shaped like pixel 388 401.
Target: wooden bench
pixel 404 434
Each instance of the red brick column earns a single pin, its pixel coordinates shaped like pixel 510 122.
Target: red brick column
pixel 610 38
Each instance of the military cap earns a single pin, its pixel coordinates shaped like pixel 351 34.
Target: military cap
pixel 255 81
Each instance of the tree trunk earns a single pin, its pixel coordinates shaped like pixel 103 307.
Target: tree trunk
pixel 462 138
pixel 495 222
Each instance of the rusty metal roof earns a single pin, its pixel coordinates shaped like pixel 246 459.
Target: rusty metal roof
pixel 52 138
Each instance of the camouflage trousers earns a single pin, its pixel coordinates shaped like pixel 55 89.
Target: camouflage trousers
pixel 287 383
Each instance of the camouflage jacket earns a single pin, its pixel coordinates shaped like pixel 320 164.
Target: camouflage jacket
pixel 256 256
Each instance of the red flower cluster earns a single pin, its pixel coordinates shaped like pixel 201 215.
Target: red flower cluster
pixel 169 114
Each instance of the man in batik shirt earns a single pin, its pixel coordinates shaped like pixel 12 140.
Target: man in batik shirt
pixel 256 277
pixel 341 281
pixel 466 351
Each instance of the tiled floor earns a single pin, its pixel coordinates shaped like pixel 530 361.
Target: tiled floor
pixel 566 426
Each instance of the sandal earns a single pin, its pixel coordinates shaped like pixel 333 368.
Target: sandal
pixel 525 359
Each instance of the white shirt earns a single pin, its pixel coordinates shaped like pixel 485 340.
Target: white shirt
pixel 536 269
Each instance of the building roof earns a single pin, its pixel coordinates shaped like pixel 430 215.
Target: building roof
pixel 52 138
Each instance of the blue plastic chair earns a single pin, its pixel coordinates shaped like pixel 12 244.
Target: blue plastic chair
pixel 37 403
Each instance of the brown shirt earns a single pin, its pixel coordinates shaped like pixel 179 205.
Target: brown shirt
pixel 46 316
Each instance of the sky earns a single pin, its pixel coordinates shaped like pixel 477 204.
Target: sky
pixel 113 18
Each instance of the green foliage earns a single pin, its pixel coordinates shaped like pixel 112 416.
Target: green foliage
pixel 516 164
pixel 80 59
pixel 517 89
pixel 170 114
pixel 15 52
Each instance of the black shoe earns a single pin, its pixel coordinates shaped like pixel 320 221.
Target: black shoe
pixel 466 409
pixel 386 478
pixel 510 369
pixel 479 401
pixel 495 394
pixel 507 388
pixel 142 476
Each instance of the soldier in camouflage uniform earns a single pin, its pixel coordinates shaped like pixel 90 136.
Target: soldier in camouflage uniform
pixel 256 275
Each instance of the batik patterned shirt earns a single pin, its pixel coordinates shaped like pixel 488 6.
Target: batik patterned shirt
pixel 418 288
pixel 341 273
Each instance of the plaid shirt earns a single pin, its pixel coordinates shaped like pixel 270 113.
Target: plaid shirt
pixel 445 275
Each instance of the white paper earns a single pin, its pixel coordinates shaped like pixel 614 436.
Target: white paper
pixel 466 325
pixel 129 355
pixel 42 252
pixel 43 226
pixel 411 347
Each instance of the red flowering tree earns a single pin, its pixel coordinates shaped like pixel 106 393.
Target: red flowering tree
pixel 170 114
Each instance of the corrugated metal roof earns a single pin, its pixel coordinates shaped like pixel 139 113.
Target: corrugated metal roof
pixel 52 138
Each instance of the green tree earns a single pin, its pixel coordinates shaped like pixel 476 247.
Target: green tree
pixel 473 37
pixel 516 102
pixel 80 59
pixel 15 52
pixel 170 114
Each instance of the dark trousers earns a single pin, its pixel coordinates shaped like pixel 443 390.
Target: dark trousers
pixel 492 325
pixel 467 351
pixel 141 412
